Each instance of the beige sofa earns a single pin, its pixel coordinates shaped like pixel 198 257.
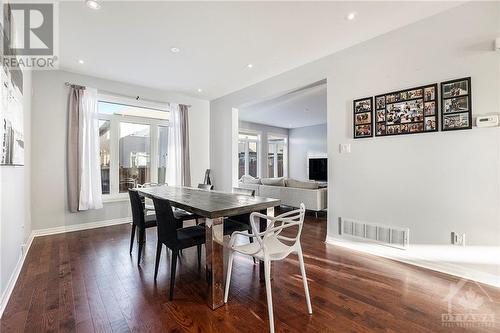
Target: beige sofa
pixel 313 199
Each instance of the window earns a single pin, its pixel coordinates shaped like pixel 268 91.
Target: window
pixel 104 138
pixel 277 158
pixel 134 155
pixel 248 155
pixel 133 144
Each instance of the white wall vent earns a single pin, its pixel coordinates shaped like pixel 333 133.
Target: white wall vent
pixel 374 232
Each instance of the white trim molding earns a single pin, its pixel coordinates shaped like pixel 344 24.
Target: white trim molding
pixel 81 226
pixel 45 232
pixel 424 258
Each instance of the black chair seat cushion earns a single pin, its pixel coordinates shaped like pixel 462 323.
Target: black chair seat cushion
pixel 150 221
pixel 190 236
pixel 231 226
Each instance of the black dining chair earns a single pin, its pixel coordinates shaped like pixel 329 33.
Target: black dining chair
pixel 208 187
pixel 174 238
pixel 142 221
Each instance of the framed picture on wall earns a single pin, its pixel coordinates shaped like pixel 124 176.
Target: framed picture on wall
pixel 407 111
pixel 456 104
pixel 363 117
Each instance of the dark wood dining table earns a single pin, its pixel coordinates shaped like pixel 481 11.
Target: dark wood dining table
pixel 213 207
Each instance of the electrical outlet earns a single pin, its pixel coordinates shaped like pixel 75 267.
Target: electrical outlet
pixel 457 239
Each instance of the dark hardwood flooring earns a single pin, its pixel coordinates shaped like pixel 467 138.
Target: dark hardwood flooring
pixel 86 282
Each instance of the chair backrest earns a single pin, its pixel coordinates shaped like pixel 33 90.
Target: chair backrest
pixel 137 206
pixel 165 221
pixel 244 191
pixel 208 187
pixel 279 223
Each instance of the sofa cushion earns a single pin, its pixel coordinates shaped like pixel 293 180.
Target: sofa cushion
pixel 302 184
pixel 246 179
pixel 273 181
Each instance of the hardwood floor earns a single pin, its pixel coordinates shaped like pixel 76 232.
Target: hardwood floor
pixel 86 281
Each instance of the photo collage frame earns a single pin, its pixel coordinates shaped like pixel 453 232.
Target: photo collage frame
pixel 414 110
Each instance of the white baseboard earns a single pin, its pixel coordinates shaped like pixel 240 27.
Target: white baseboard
pixel 81 226
pixel 45 232
pixel 15 274
pixel 413 259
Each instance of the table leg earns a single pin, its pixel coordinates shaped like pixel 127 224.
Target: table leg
pixel 214 248
pixel 263 227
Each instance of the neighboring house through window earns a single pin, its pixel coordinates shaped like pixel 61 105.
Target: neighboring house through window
pixel 133 144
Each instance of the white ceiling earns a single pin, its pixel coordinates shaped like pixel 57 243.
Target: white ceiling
pixel 131 41
pixel 304 107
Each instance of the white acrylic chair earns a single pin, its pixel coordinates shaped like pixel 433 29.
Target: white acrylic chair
pixel 148 203
pixel 270 247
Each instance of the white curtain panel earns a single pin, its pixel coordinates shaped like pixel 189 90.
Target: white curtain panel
pixel 174 151
pixel 88 146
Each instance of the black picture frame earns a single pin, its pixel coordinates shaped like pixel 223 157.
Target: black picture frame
pixel 362 107
pixel 421 111
pixel 456 102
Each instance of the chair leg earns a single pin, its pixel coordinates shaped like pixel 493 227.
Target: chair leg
pixel 140 245
pixel 228 276
pixel 158 255
pixel 267 272
pixel 251 241
pixel 132 236
pixel 304 279
pixel 175 254
pixel 198 249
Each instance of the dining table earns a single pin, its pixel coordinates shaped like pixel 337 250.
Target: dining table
pixel 213 207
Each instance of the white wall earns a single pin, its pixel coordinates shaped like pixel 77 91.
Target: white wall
pixel 50 100
pixel 15 214
pixel 264 131
pixel 302 143
pixel 433 183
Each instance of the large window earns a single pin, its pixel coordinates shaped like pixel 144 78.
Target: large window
pixel 248 155
pixel 133 139
pixel 277 158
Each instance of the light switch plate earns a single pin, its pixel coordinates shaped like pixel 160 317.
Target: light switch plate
pixel 344 148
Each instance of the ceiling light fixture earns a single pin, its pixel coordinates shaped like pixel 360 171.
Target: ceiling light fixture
pixel 93 4
pixel 175 50
pixel 81 62
pixel 351 16
pixel 250 65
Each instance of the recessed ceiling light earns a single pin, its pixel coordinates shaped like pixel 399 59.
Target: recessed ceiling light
pixel 250 65
pixel 93 4
pixel 81 62
pixel 351 16
pixel 175 50
pixel 200 90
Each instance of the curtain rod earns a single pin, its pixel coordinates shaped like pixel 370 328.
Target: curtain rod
pixel 137 98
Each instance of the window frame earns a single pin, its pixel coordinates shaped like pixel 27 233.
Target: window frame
pixel 114 140
pixel 283 137
pixel 246 141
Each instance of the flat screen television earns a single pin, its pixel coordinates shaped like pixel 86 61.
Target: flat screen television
pixel 318 169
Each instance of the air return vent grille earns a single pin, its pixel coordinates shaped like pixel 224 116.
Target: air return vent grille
pixel 378 233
